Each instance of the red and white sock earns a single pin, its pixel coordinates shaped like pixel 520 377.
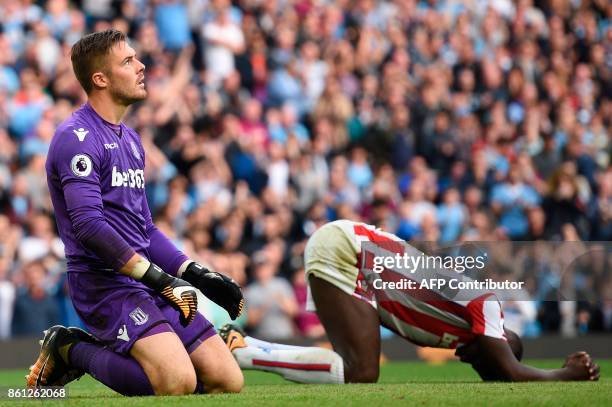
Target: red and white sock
pixel 296 363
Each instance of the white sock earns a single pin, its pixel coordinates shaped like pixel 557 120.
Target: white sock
pixel 296 363
pixel 258 343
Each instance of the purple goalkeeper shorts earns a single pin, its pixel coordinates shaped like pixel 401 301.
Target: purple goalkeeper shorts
pixel 119 310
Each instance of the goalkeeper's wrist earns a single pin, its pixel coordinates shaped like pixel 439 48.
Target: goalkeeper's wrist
pixel 191 270
pixel 151 275
pixel 183 268
pixel 140 268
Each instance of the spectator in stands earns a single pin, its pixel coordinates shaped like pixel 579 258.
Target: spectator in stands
pixel 510 200
pixel 451 216
pixel 7 300
pixel 224 39
pixel 271 300
pixel 34 307
pixel 307 322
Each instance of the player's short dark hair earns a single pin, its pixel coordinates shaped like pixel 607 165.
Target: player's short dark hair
pixel 88 52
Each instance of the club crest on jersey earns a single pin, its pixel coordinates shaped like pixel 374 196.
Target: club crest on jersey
pixel 81 165
pixel 139 316
pixel 135 150
pixel 80 133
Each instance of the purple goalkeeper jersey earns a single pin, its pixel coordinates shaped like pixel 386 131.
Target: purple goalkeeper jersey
pixel 95 173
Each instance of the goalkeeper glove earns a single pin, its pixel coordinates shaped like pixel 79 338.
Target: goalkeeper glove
pixel 180 294
pixel 221 289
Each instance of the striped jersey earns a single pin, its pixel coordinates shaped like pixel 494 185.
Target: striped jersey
pixel 427 316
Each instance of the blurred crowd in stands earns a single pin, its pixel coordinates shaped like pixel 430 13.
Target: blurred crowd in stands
pixel 439 120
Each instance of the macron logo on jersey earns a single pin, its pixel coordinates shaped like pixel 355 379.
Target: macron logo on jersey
pixel 130 178
pixel 81 133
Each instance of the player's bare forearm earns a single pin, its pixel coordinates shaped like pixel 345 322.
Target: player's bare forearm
pixel 584 369
pixel 495 361
pixel 525 373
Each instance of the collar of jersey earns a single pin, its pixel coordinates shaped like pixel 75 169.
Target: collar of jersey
pixel 112 126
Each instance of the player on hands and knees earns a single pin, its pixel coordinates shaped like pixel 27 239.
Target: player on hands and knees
pixel 134 290
pixel 352 317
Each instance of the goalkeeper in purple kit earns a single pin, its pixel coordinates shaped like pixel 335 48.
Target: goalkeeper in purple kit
pixel 135 291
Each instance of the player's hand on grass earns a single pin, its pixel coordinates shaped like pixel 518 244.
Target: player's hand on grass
pixel 220 289
pixel 180 294
pixel 580 366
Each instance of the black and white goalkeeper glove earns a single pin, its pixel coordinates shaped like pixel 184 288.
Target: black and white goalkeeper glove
pixel 220 289
pixel 178 293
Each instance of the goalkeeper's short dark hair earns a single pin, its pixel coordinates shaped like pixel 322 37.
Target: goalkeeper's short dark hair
pixel 87 55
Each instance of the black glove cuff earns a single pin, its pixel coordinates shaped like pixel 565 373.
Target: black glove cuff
pixel 156 278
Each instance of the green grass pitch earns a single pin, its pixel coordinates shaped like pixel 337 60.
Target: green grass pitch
pixel 401 383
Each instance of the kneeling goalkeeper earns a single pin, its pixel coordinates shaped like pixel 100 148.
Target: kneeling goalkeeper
pixel 134 290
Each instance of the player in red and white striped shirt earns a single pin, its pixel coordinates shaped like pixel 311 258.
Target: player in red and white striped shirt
pixel 338 264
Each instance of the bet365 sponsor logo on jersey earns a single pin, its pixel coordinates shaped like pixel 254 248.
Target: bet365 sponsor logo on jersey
pixel 129 178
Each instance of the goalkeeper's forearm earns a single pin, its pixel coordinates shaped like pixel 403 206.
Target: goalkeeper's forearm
pixel 99 237
pixel 164 253
pixel 135 264
pixel 148 273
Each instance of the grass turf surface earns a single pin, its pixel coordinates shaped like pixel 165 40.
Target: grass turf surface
pixel 400 383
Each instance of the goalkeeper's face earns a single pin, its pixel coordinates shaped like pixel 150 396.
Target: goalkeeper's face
pixel 126 75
